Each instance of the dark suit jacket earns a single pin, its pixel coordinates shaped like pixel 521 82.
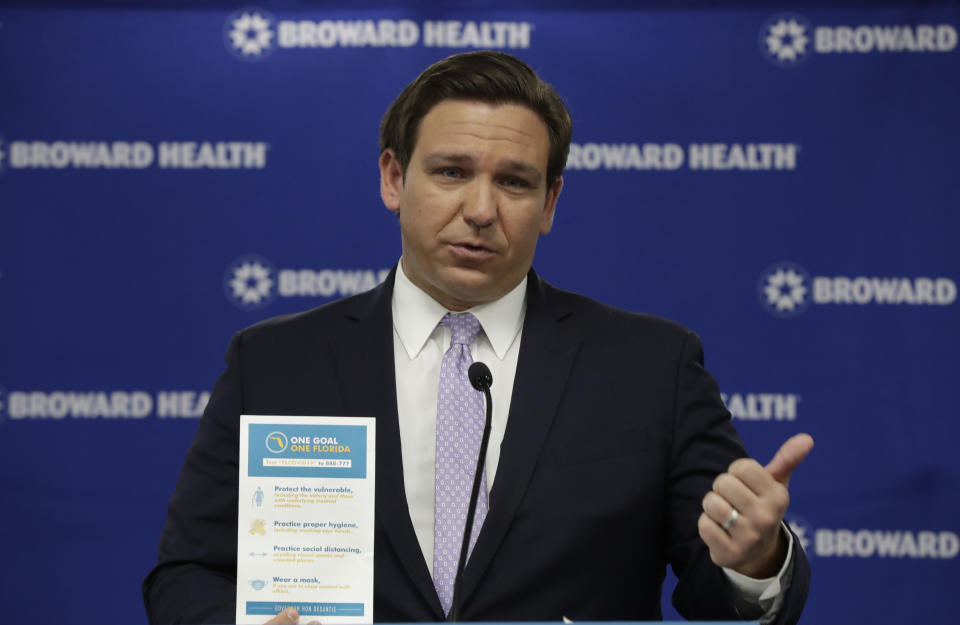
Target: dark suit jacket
pixel 615 433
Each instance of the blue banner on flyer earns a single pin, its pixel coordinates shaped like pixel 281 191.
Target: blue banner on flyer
pixel 338 451
pixel 272 608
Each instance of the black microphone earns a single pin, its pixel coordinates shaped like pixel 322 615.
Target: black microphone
pixel 482 380
pixel 480 377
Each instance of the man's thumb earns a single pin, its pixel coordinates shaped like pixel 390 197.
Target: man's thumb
pixel 790 454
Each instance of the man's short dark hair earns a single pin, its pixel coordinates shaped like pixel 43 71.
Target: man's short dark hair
pixel 484 76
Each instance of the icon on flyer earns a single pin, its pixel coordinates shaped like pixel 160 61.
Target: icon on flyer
pixel 276 442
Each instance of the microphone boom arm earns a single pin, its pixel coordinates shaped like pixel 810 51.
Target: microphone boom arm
pixel 481 380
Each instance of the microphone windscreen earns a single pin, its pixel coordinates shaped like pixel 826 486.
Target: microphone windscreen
pixel 480 376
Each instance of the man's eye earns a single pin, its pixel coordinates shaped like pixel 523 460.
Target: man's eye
pixel 449 172
pixel 515 182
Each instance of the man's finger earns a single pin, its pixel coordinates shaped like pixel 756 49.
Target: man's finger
pixel 790 454
pixel 753 475
pixel 290 616
pixel 721 545
pixel 716 507
pixel 734 491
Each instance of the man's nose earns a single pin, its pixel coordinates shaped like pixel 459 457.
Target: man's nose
pixel 480 203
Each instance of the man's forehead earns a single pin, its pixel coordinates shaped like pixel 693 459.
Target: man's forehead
pixel 481 102
pixel 450 125
pixel 456 110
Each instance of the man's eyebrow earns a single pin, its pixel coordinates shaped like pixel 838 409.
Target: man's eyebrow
pixel 441 158
pixel 519 167
pixel 445 158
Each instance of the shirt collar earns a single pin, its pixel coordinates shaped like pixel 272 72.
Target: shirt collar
pixel 416 315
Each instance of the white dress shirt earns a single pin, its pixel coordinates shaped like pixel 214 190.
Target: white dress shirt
pixel 418 347
pixel 419 343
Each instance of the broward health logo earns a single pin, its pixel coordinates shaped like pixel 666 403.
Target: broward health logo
pixel 251 282
pixel 788 39
pixel 248 282
pixel 248 34
pixel 253 34
pixel 784 39
pixel 783 289
pixel 911 543
pixel 786 290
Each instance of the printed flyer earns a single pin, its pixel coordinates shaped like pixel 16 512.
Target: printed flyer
pixel 305 518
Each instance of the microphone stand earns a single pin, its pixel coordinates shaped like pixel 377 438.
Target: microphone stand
pixel 481 380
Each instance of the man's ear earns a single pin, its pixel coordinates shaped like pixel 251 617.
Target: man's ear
pixel 391 180
pixel 550 206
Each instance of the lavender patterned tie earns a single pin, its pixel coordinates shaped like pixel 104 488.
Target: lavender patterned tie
pixel 460 421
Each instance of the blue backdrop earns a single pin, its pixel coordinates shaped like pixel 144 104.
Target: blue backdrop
pixel 782 180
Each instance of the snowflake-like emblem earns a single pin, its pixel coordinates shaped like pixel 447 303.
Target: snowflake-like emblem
pixel 783 289
pixel 787 40
pixel 250 33
pixel 784 39
pixel 251 283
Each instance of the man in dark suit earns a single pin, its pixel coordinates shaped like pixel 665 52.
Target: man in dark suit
pixel 612 453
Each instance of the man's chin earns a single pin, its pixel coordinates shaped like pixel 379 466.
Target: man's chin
pixel 467 287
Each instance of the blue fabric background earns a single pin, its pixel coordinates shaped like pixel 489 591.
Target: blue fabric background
pixel 119 279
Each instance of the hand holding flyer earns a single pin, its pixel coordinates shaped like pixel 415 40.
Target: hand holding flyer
pixel 305 518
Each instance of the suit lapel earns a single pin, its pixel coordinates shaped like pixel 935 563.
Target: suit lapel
pixel 366 368
pixel 548 348
pixel 365 363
